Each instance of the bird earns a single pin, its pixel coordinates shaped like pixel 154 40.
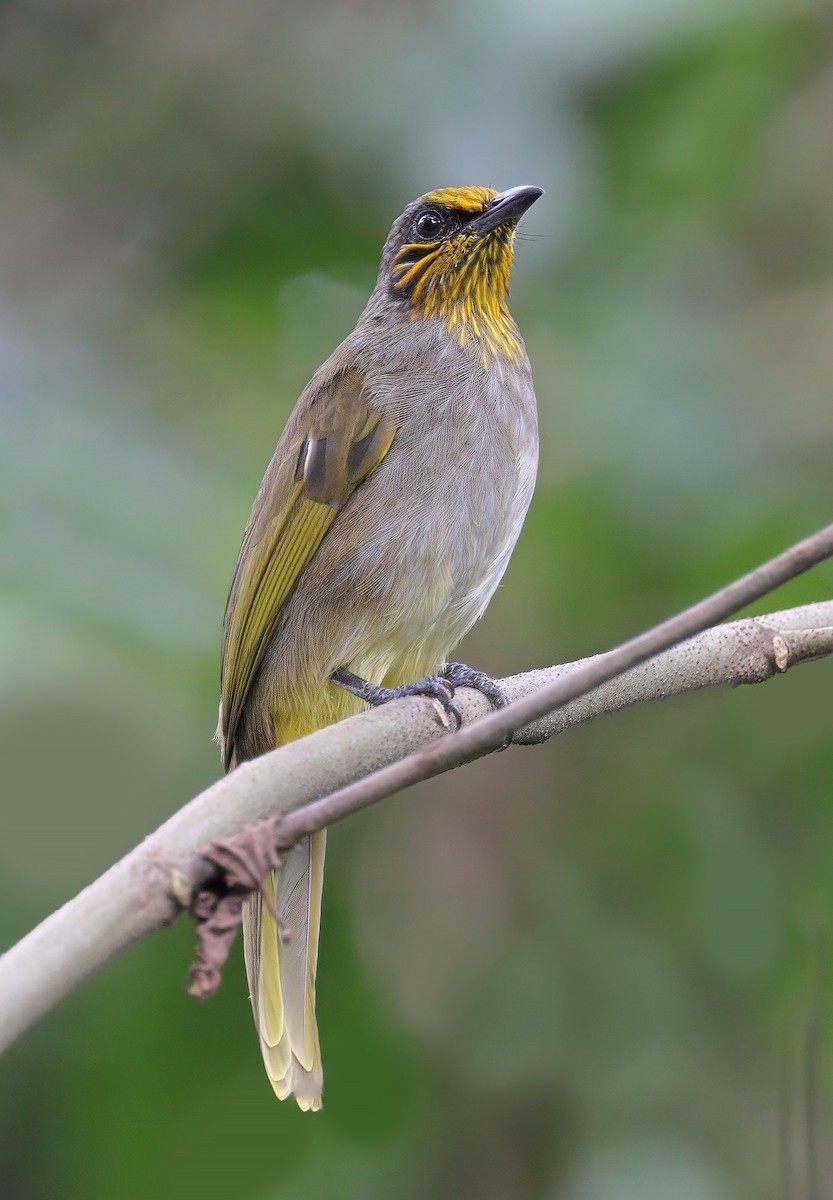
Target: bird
pixel 382 527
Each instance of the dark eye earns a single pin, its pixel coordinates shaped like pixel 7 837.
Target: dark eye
pixel 430 224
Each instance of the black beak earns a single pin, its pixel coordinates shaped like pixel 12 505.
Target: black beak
pixel 506 208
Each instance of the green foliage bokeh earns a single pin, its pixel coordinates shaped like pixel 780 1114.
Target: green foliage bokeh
pixel 586 971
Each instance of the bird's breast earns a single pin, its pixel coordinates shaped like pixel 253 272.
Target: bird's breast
pixel 450 502
pixel 414 557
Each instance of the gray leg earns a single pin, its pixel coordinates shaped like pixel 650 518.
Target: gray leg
pixel 439 689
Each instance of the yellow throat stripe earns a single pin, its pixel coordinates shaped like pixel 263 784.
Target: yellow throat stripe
pixel 464 279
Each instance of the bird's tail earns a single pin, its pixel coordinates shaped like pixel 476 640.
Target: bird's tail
pixel 280 964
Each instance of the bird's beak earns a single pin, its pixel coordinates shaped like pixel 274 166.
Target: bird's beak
pixel 507 208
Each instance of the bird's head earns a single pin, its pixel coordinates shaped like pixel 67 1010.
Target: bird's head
pixel 450 256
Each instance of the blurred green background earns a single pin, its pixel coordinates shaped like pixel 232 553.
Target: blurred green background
pixel 586 971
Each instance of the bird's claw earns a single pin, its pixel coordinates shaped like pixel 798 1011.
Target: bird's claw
pixel 459 675
pixel 440 689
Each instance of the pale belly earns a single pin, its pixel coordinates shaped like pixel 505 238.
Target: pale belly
pixel 446 586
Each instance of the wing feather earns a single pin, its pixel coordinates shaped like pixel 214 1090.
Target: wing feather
pixel 316 468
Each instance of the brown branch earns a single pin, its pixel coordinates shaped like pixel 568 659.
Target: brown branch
pixel 150 885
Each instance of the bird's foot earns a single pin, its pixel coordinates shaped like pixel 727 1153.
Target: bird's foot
pixel 460 675
pixel 438 689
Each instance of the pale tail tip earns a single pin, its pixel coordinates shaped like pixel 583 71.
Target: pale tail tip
pixel 306 1099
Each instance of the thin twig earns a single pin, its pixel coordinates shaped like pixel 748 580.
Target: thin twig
pixel 492 730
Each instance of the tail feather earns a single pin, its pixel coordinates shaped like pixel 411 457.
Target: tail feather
pixel 281 973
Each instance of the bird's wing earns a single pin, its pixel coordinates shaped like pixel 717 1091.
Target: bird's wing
pixel 327 457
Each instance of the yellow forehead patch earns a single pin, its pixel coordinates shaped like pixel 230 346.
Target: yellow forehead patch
pixel 464 199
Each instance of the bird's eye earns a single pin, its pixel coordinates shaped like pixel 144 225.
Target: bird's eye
pixel 430 224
